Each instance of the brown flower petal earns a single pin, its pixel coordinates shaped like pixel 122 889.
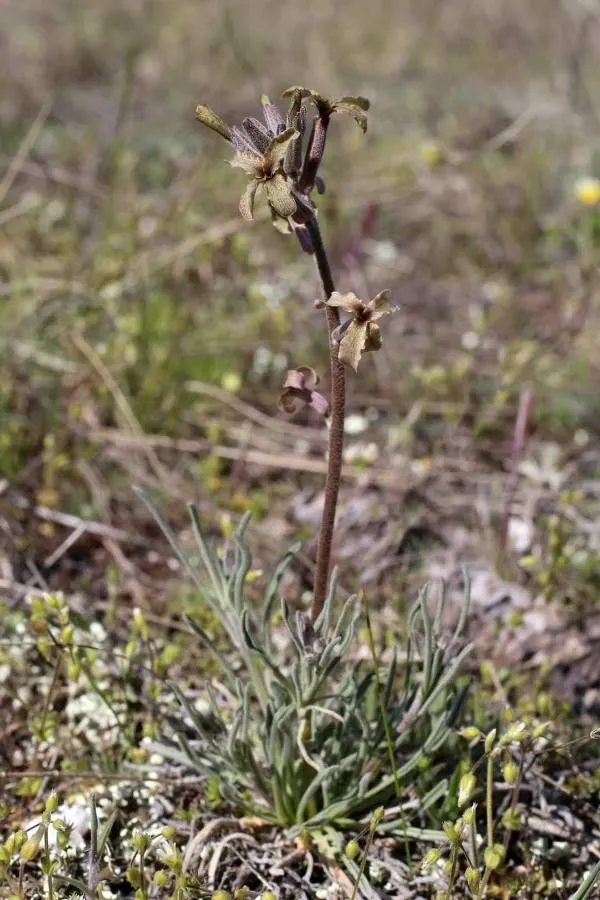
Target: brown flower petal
pixel 279 194
pixel 273 118
pixel 302 377
pixel 241 140
pixel 283 226
pixel 258 133
pixel 247 160
pixel 360 334
pixel 277 149
pixel 247 200
pixel 298 389
pixel 353 344
pixel 374 340
pixel 348 302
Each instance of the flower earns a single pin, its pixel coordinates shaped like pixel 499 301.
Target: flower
pixel 361 333
pixel 299 387
pixel 270 154
pixel 263 163
pixel 587 190
pixel 278 160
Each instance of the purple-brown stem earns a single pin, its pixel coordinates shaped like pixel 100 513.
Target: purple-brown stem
pixel 518 446
pixel 336 429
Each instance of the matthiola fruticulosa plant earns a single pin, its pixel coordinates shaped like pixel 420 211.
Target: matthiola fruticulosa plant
pixel 281 157
pixel 299 733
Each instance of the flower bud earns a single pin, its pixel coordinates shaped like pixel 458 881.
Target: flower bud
pixel 510 770
pixel 133 876
pixel 352 849
pixel 32 845
pixel 465 789
pixel 489 740
pixel 516 732
pixel 51 804
pixel 432 857
pixel 452 831
pixel 472 876
pixel 493 856
pixel 469 814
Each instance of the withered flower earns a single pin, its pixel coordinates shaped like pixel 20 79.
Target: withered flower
pixel 361 333
pixel 299 388
pixel 262 161
pixel 280 159
pixel 270 154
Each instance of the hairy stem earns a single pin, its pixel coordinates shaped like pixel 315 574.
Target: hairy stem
pixel 336 429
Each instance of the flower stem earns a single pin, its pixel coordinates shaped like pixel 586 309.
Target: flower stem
pixel 336 429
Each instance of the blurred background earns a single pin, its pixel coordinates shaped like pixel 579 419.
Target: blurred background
pixel 145 329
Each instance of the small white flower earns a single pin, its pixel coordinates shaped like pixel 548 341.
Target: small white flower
pixel 361 453
pixel 97 632
pixel 356 423
pixel 470 340
pixel 376 872
pixel 383 251
pixel 262 360
pixel 520 534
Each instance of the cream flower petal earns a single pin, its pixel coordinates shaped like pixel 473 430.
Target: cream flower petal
pixel 247 200
pixel 353 344
pixel 279 195
pixel 277 149
pixel 348 302
pixel 246 160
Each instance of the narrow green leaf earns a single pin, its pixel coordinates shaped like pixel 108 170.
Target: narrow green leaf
pixel 287 618
pixel 103 835
pixel 323 620
pixel 587 884
pixel 271 592
pixel 242 567
pixel 211 563
pixel 313 787
pixel 170 536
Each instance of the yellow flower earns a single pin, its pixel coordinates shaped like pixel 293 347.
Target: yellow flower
pixel 587 190
pixel 431 154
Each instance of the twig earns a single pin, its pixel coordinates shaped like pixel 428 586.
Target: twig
pixel 75 523
pixel 255 415
pixel 207 833
pixel 65 546
pixel 291 461
pixel 27 144
pixel 120 400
